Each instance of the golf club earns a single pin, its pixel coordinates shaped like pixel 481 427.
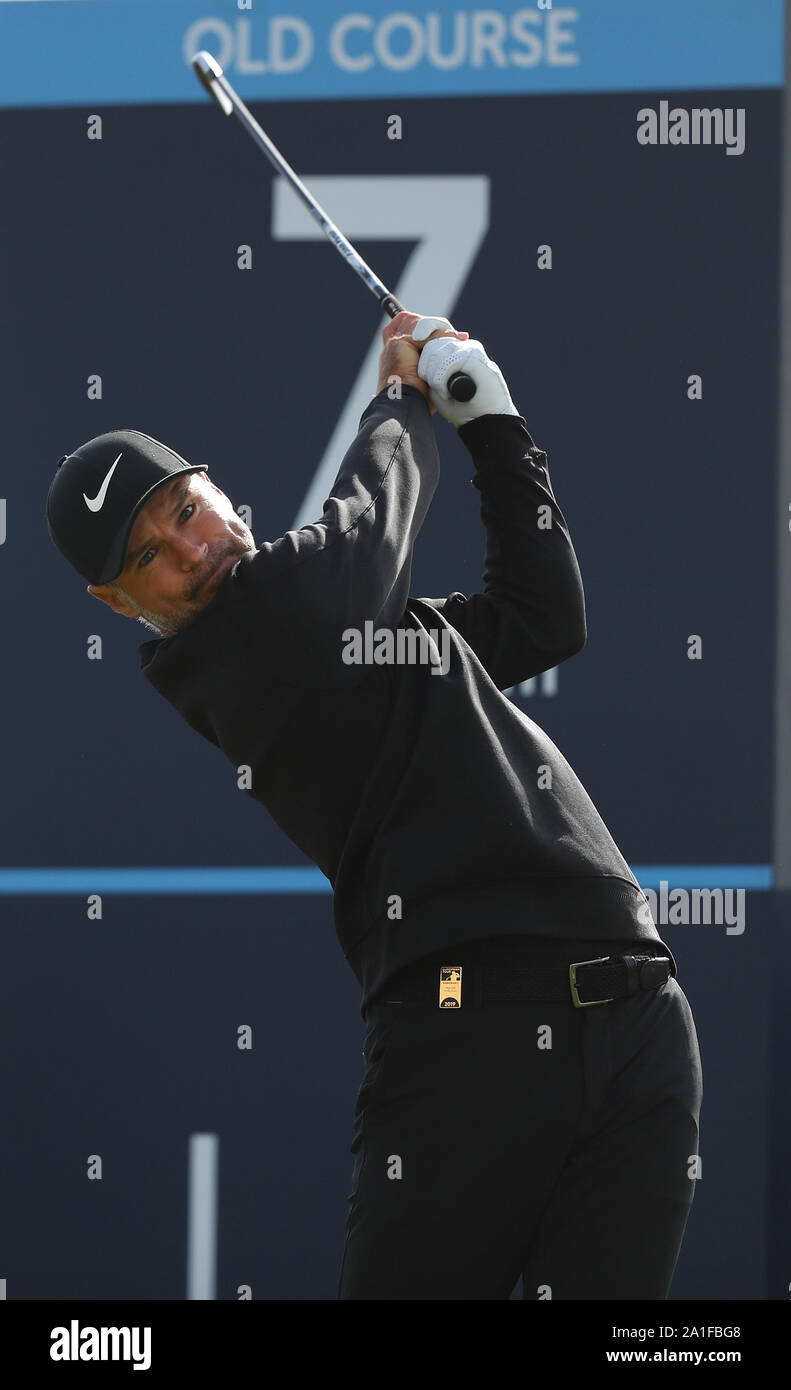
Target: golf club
pixel 208 70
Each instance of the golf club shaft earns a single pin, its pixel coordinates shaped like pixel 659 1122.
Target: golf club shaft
pixel 211 75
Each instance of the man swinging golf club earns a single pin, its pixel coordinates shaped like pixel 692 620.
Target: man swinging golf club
pixel 532 1084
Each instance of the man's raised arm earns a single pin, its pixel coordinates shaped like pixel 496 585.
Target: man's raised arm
pixel 354 564
pixel 531 613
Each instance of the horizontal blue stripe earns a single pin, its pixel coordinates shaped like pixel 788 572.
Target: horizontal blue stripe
pixel 188 880
pixel 183 880
pixel 756 876
pixel 107 52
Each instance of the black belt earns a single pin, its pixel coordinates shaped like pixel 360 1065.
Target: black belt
pixel 582 982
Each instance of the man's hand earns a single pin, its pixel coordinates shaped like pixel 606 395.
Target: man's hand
pixel 401 352
pixel 441 361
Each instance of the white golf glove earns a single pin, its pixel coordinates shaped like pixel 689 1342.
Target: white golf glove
pixel 443 357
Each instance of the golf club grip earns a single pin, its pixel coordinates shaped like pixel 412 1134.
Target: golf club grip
pixel 460 385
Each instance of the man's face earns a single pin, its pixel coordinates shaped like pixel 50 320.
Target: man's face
pixel 182 545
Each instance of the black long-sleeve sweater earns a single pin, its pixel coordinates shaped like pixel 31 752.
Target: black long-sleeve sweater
pixel 439 811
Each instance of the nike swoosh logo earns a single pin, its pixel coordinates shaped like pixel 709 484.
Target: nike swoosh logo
pixel 94 504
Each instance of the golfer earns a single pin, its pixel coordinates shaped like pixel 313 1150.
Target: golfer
pixel 530 1099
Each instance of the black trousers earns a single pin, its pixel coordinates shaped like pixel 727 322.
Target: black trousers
pixel 482 1154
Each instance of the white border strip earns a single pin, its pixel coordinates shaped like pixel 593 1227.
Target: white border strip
pixel 202 1216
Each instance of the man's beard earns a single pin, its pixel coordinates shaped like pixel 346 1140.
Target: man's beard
pixel 151 620
pixel 166 624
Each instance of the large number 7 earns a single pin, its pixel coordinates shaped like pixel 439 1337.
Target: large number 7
pixel 446 215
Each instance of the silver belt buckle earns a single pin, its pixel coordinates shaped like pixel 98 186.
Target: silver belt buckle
pixel 575 998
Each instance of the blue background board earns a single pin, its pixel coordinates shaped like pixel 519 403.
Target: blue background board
pixel 118 257
pixel 129 1029
pixel 123 261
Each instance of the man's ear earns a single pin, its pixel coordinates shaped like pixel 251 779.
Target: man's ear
pixel 117 602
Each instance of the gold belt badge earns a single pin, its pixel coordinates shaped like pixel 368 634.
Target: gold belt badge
pixel 450 987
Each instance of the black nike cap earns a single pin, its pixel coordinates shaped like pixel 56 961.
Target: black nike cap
pixel 97 493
